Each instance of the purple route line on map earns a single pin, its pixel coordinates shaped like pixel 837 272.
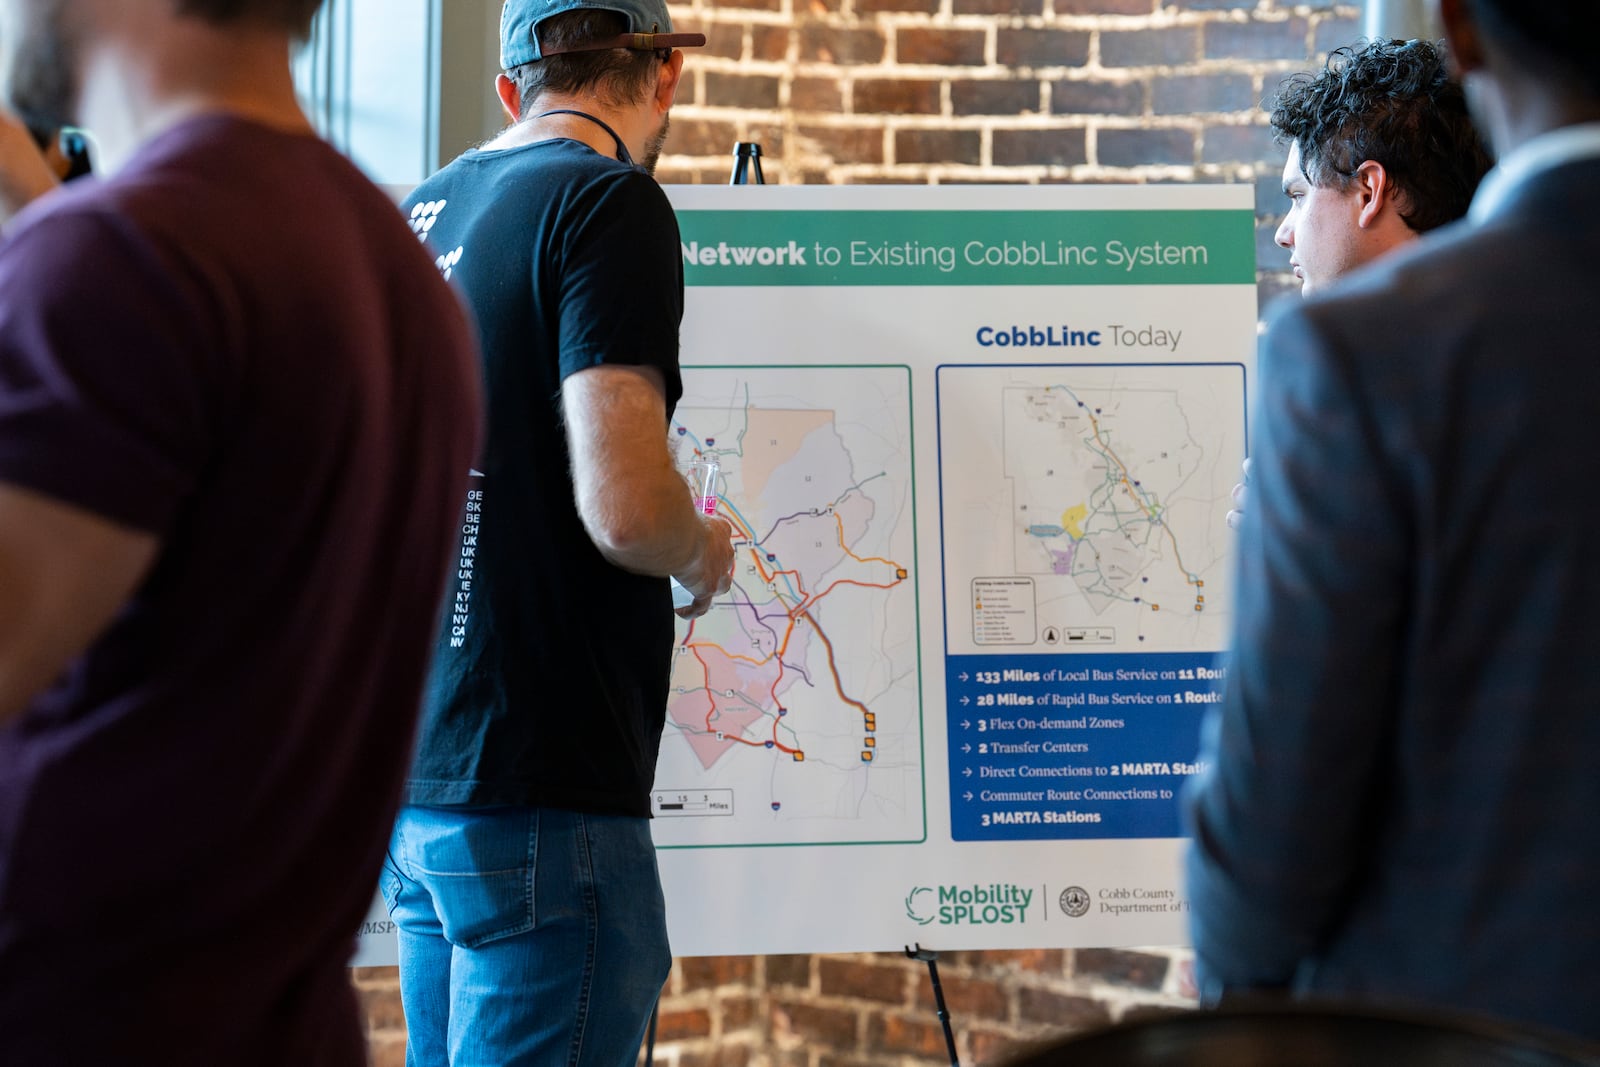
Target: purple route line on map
pixel 780 522
pixel 755 613
pixel 801 671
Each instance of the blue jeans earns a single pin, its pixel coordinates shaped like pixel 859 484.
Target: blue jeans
pixel 529 937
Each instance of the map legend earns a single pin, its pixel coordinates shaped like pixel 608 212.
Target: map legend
pixel 1003 611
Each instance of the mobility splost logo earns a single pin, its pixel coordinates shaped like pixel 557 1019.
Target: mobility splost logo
pixel 996 904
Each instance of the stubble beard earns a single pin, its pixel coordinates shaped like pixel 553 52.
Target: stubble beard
pixel 653 147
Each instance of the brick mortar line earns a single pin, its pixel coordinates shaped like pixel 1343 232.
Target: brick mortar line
pixel 990 70
pixel 968 172
pixel 1158 19
pixel 1192 122
pixel 1120 24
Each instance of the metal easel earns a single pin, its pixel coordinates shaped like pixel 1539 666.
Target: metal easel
pixel 931 958
pixel 747 164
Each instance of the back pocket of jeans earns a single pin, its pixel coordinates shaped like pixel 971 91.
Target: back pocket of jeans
pixel 479 873
pixel 475 909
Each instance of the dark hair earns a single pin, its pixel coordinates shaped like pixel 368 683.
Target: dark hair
pixel 1395 103
pixel 292 16
pixel 1559 32
pixel 618 76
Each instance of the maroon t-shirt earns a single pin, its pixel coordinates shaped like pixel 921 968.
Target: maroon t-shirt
pixel 238 345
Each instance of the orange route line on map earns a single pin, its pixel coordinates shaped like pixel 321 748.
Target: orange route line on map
pixel 706 670
pixel 839 521
pixel 800 610
pixel 733 520
pixel 833 666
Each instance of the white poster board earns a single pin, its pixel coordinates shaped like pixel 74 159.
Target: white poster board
pixel 978 444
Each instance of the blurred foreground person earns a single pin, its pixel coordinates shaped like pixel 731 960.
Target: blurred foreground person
pixel 237 412
pixel 1401 785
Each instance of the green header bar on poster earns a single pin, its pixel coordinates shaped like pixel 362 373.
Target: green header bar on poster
pixel 859 248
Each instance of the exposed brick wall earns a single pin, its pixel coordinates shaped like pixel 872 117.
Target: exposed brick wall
pixel 1014 91
pixel 378 989
pixel 868 1010
pixel 853 91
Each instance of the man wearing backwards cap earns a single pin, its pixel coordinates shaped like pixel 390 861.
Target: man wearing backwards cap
pixel 1401 793
pixel 521 873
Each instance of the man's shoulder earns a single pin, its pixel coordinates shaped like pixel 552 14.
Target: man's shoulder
pixel 217 182
pixel 1451 252
pixel 1429 318
pixel 541 164
pixel 1433 278
pixel 66 247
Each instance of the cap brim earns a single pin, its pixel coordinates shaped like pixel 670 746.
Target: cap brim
pixel 638 42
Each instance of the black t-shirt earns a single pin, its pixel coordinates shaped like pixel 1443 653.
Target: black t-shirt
pixel 550 681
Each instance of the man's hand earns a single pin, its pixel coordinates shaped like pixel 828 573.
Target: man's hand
pixel 712 574
pixel 1241 494
pixel 25 174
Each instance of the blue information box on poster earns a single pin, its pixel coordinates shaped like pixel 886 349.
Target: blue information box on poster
pixel 1044 747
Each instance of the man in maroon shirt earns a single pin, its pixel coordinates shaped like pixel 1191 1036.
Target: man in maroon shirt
pixel 237 411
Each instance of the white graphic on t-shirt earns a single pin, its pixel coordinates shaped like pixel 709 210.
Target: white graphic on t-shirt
pixel 471 519
pixel 424 215
pixel 447 263
pixel 423 218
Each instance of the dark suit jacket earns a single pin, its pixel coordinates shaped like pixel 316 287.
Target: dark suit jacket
pixel 1404 793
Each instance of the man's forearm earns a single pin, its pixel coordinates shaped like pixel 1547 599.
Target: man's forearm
pixel 633 502
pixel 642 524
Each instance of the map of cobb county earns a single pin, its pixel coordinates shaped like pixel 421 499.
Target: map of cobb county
pixel 1116 483
pixel 794 712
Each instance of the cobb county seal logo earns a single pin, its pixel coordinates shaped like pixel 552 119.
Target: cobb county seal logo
pixel 1074 900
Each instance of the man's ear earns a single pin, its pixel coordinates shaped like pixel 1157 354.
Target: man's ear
pixel 1464 48
pixel 1377 192
pixel 671 76
pixel 510 98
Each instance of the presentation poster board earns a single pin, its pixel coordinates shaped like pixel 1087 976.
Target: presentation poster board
pixel 977 445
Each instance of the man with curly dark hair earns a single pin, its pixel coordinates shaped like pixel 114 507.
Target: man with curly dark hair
pixel 1381 150
pixel 1399 795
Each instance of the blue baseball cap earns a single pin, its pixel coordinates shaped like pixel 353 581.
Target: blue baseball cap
pixel 649 28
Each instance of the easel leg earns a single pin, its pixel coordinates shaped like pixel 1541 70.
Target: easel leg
pixel 931 958
pixel 650 1036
